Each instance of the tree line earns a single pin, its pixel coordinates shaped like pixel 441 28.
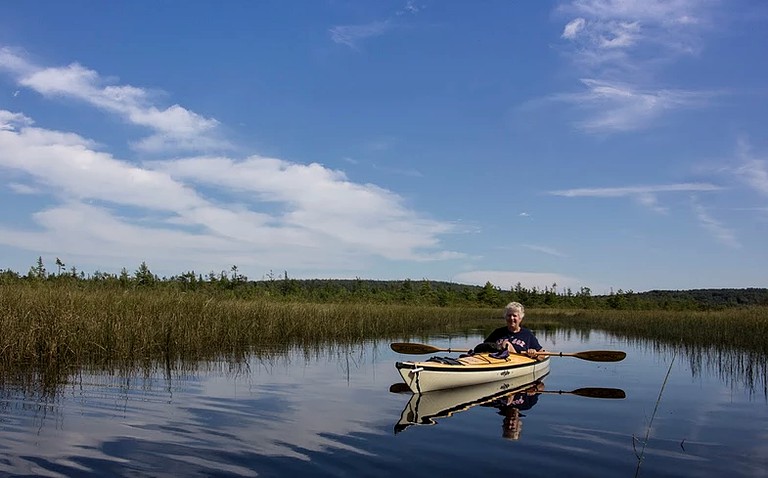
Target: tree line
pixel 281 287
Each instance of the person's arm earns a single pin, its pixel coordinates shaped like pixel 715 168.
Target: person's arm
pixel 535 347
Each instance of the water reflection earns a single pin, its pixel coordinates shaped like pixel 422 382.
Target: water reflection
pixel 327 411
pixel 510 399
pixel 427 408
pixel 738 368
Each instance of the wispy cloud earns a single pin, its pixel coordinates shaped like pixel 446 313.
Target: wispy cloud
pixel 353 35
pixel 752 171
pixel 410 8
pixel 613 106
pixel 635 190
pixel 543 249
pixel 619 45
pixel 173 127
pixel 717 230
pixel 645 195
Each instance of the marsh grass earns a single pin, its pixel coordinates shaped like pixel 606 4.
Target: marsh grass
pixel 49 331
pixel 732 343
pixel 743 328
pixel 50 325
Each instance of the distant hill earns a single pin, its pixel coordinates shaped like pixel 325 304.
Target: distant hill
pixel 411 292
pixel 408 290
pixel 710 297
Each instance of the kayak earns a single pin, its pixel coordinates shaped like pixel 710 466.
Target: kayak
pixel 424 408
pixel 439 373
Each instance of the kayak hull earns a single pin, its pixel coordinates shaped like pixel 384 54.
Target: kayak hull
pixel 478 369
pixel 427 408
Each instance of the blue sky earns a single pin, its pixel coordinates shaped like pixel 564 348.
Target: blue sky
pixel 605 144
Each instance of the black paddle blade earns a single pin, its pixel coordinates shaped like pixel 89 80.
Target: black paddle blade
pixel 602 355
pixel 399 387
pixel 413 349
pixel 598 392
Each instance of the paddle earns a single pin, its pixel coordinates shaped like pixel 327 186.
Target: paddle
pixel 591 355
pixel 590 392
pixel 399 387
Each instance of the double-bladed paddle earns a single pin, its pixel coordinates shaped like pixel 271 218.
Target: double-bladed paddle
pixel 591 355
pixel 590 392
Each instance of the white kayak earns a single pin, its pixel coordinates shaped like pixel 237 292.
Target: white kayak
pixel 424 408
pixel 441 373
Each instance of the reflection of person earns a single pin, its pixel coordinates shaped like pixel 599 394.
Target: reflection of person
pixel 513 338
pixel 510 408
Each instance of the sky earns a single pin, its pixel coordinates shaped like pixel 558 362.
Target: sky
pixel 617 144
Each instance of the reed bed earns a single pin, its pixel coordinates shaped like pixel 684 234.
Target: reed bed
pixel 743 328
pixel 731 343
pixel 44 324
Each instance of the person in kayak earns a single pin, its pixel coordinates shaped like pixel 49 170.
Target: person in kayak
pixel 513 338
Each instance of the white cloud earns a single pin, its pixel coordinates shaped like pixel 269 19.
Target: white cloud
pixel 613 106
pixel 67 164
pixel 646 196
pixel 22 188
pixel 715 228
pixel 278 213
pixel 410 8
pixel 620 45
pixel 320 200
pixel 573 28
pixel 11 121
pixel 175 127
pixel 546 250
pixel 635 190
pixel 752 171
pixel 351 35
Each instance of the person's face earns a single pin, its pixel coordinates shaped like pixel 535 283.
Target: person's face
pixel 513 319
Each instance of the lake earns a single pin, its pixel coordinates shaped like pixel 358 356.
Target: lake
pixel 329 412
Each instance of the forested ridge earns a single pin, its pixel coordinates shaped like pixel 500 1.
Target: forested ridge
pixel 412 292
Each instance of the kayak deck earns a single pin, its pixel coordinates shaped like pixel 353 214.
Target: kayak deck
pixel 441 373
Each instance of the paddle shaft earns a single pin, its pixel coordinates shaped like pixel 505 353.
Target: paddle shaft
pixel 591 355
pixel 591 392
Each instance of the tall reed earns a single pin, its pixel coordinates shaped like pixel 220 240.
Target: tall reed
pixel 47 324
pixel 744 328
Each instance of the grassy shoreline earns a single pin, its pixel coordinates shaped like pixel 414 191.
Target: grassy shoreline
pixel 47 324
pixel 43 324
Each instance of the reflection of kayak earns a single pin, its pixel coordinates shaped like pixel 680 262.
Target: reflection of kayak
pixel 423 408
pixel 477 369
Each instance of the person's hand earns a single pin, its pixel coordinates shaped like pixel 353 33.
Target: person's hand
pixel 533 353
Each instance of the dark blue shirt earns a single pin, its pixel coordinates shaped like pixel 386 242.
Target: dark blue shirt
pixel 521 341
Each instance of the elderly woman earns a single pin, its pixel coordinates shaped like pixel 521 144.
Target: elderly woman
pixel 512 338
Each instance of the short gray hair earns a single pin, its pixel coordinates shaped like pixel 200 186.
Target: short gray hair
pixel 515 307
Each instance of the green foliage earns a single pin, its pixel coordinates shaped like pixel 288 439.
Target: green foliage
pixel 231 283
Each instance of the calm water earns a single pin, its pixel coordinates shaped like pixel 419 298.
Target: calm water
pixel 330 413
